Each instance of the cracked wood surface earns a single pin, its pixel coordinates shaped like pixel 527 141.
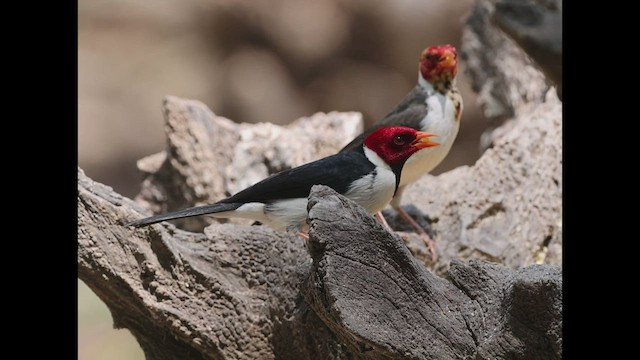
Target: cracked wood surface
pixel 246 292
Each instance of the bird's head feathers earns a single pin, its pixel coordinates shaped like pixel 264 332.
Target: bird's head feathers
pixel 395 144
pixel 439 65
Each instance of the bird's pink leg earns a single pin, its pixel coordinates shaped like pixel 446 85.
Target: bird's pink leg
pixel 382 220
pixel 431 245
pixel 303 235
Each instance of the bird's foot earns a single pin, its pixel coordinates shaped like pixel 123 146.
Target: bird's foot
pixel 304 236
pixel 431 245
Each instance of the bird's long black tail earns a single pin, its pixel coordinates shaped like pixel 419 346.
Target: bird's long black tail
pixel 194 211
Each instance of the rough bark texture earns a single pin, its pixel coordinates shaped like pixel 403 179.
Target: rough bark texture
pixel 230 293
pixel 234 291
pixel 354 291
pixel 378 298
pixel 507 82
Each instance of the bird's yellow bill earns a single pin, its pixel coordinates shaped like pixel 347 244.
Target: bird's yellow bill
pixel 448 60
pixel 422 140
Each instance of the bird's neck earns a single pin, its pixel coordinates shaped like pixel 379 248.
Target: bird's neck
pixel 442 87
pixel 376 160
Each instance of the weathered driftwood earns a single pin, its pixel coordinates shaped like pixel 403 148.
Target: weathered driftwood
pixel 246 292
pixel 241 292
pixel 368 289
pixel 231 293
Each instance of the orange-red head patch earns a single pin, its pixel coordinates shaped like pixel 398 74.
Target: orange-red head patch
pixel 439 63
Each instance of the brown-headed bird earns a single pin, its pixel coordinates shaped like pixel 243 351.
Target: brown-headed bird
pixel 434 105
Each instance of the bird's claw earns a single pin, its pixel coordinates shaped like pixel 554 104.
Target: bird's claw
pixel 431 246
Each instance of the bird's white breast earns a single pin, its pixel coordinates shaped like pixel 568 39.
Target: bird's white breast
pixel 373 191
pixel 441 119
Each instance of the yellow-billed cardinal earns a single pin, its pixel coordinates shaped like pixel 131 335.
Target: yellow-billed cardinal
pixel 369 177
pixel 434 105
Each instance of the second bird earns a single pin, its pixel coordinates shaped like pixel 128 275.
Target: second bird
pixel 434 105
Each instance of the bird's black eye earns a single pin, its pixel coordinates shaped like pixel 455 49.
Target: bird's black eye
pixel 433 57
pixel 399 140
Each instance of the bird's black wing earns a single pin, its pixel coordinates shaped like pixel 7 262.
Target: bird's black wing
pixel 408 113
pixel 337 171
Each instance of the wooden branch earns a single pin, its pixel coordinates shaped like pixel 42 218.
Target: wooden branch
pixel 233 292
pixel 384 303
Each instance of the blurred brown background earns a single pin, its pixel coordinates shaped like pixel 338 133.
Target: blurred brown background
pixel 250 61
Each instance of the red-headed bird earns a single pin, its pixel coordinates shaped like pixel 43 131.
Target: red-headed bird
pixel 369 177
pixel 434 105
